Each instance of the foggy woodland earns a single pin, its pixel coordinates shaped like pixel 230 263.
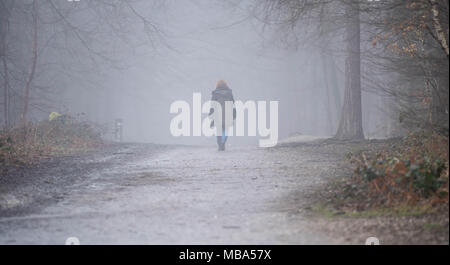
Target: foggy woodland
pixel 362 74
pixel 340 68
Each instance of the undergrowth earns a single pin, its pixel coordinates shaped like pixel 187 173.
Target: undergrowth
pixel 409 175
pixel 36 141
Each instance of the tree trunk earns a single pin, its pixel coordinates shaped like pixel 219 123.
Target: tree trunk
pixel 325 82
pixel 6 92
pixel 440 34
pixel 350 125
pixel 337 108
pixel 33 65
pixel 4 17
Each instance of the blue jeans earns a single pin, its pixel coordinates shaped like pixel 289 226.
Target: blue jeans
pixel 221 140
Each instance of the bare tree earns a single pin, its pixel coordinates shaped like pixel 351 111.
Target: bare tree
pixel 321 20
pixel 408 59
pixel 49 36
pixel 34 56
pixel 407 62
pixel 5 7
pixel 350 125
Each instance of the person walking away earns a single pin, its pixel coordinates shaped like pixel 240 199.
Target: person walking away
pixel 221 94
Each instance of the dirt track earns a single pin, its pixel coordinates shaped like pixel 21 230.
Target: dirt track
pixel 149 194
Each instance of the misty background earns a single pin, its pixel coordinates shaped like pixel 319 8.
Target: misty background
pixel 132 67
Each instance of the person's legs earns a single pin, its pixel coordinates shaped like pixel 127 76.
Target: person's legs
pixel 224 138
pixel 219 142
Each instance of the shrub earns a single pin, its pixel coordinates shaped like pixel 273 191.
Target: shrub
pixel 414 171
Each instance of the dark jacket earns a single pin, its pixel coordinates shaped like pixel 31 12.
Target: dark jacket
pixel 222 94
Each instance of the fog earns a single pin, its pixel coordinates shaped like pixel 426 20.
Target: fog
pixel 193 45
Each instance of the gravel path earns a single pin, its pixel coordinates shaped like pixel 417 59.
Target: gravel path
pixel 149 194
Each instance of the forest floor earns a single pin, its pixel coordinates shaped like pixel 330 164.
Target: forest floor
pixel 160 194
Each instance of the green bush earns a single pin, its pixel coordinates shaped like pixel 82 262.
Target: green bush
pixel 426 175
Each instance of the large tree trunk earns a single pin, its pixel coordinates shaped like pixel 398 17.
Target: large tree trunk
pixel 350 125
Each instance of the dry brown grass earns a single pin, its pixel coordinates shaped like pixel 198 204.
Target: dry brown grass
pixel 29 145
